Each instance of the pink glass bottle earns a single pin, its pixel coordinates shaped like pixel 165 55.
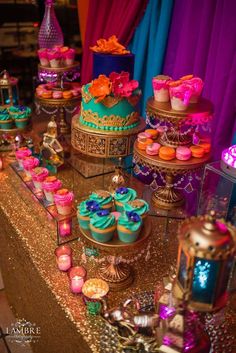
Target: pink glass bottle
pixel 50 33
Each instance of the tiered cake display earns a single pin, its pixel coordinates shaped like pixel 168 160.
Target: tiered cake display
pixel 108 121
pixel 175 152
pixel 58 69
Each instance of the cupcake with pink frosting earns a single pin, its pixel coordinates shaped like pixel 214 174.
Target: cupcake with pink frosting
pixel 39 174
pixel 43 57
pixel 30 163
pixel 51 185
pixel 160 86
pixel 69 57
pixel 21 154
pixel 180 95
pixel 55 58
pixel 197 85
pixel 64 201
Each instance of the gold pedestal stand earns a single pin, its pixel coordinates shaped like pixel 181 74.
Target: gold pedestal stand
pixel 167 196
pixel 59 105
pixel 103 144
pixel 117 274
pixel 174 120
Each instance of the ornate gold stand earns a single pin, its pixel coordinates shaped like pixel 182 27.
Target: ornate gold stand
pixel 103 144
pixel 119 275
pixel 167 196
pixel 173 137
pixel 61 105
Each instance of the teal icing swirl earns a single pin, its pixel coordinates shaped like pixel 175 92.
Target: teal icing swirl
pixel 123 198
pixel 102 222
pixel 128 224
pixel 101 200
pixel 140 210
pixel 83 210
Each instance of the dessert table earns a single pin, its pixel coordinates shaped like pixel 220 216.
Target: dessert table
pixel 39 292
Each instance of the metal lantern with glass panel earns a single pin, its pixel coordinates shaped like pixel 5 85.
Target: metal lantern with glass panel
pixel 8 89
pixel 207 247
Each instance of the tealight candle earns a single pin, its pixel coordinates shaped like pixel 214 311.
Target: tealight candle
pixel 64 257
pixel 77 275
pixel 65 228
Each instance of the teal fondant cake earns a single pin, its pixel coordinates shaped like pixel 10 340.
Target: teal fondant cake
pixel 111 112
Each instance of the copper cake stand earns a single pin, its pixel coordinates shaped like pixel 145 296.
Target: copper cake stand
pixel 117 274
pixel 167 196
pixel 103 144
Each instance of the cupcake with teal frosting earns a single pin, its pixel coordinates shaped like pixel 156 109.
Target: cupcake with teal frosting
pixel 103 198
pixel 122 196
pixel 102 226
pixel 85 210
pixel 6 121
pixel 129 226
pixel 139 206
pixel 20 114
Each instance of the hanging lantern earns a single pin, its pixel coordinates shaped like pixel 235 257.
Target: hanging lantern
pixel 206 253
pixel 8 89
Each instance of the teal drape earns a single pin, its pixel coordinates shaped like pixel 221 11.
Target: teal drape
pixel 149 44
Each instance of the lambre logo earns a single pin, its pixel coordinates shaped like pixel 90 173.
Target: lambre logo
pixel 23 332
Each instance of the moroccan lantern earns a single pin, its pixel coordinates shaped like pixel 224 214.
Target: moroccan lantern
pixel 8 89
pixel 206 253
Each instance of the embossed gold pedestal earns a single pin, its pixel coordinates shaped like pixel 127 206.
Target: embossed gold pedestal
pixel 117 274
pixel 103 144
pixel 168 196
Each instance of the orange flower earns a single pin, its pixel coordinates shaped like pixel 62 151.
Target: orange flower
pixel 100 88
pixel 109 46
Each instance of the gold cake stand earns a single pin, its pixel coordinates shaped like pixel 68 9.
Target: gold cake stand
pixel 103 144
pixel 117 274
pixel 60 105
pixel 163 112
pixel 167 196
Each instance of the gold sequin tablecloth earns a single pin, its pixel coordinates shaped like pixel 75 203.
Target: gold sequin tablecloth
pixel 39 292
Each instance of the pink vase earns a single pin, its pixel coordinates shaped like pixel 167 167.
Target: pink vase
pixel 50 33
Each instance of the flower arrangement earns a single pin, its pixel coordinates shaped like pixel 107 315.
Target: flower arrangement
pixel 109 46
pixel 117 84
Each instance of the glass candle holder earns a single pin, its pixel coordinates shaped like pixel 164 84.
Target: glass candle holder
pixel 77 276
pixel 65 227
pixel 64 257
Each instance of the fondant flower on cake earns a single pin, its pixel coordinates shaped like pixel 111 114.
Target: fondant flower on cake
pixel 121 85
pixel 109 46
pixel 100 87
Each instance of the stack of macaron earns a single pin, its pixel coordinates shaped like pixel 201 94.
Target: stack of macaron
pixel 106 215
pixel 56 57
pixel 146 142
pixel 180 93
pixel 49 185
pixel 48 91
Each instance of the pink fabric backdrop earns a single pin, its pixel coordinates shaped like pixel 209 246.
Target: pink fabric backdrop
pixel 105 18
pixel 202 41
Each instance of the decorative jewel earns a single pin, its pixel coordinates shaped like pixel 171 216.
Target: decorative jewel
pixel 122 190
pixel 91 252
pixel 92 206
pixel 93 308
pixel 133 216
pixel 103 213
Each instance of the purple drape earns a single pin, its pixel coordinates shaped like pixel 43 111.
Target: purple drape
pixel 202 41
pixel 105 18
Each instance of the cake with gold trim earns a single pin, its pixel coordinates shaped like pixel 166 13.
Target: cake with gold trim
pixel 110 103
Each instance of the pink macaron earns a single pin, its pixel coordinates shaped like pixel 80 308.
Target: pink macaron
pixel 183 153
pixel 153 149
pixel 57 94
